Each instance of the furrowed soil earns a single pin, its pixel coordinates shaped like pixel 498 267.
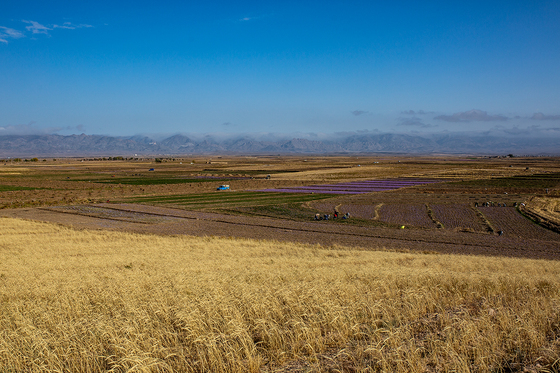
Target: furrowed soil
pixel 179 197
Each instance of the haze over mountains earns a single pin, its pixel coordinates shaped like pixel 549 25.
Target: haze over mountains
pixel 90 145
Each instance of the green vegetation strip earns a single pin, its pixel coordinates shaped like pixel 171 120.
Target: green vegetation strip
pixel 529 181
pixel 218 196
pixel 9 188
pixel 239 198
pixel 246 172
pixel 153 181
pixel 245 202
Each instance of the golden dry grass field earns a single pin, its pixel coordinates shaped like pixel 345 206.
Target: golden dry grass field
pixel 97 301
pixel 546 208
pixel 121 299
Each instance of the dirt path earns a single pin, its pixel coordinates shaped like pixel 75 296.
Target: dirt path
pixel 169 221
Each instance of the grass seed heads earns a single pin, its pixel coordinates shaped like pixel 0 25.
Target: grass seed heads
pixel 96 301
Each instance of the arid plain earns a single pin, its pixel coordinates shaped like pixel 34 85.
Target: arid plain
pixel 445 263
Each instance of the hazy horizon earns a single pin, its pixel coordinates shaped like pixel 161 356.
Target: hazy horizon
pixel 313 68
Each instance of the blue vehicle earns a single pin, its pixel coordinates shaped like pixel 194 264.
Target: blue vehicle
pixel 223 187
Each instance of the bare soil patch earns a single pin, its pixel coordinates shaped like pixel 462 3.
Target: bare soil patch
pixel 170 221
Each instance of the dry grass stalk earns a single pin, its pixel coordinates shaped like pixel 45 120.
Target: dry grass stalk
pixel 93 301
pixel 546 210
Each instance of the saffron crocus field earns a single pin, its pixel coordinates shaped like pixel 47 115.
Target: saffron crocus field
pixel 354 187
pixel 97 301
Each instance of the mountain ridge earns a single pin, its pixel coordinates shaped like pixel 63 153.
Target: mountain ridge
pixel 102 145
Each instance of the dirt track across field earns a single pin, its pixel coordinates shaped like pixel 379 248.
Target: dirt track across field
pixel 169 221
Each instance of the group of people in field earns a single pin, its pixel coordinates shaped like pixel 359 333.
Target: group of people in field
pixel 335 215
pixel 493 204
pixel 498 204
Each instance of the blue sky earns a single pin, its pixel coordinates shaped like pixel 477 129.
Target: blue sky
pixel 311 67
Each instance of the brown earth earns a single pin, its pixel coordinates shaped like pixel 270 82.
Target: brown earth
pixel 51 190
pixel 170 221
pixel 74 180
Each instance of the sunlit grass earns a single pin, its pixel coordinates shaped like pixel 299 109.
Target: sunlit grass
pixel 97 301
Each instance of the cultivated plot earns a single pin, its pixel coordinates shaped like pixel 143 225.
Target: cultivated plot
pixel 411 214
pixel 226 199
pixel 512 223
pixel 458 216
pixel 354 187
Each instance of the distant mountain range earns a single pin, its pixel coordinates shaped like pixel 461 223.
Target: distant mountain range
pixel 97 145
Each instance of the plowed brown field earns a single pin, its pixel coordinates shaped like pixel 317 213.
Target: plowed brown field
pixel 170 221
pixel 181 198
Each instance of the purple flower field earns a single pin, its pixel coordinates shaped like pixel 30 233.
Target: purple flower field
pixel 354 187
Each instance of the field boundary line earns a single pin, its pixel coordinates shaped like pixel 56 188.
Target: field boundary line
pixel 484 220
pixel 432 216
pixel 536 218
pixel 54 209
pixel 310 230
pixel 376 211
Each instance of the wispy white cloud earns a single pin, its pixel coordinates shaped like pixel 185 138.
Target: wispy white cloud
pixel 418 112
pixel 71 26
pixel 37 28
pixel 252 18
pixel 471 116
pixel 529 131
pixel 34 27
pixel 541 116
pixel 516 131
pixel 413 122
pixel 9 33
pixel 359 112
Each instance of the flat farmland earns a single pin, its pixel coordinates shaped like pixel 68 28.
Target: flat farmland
pixel 409 214
pixel 458 216
pixel 511 222
pixel 137 265
pixel 438 200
